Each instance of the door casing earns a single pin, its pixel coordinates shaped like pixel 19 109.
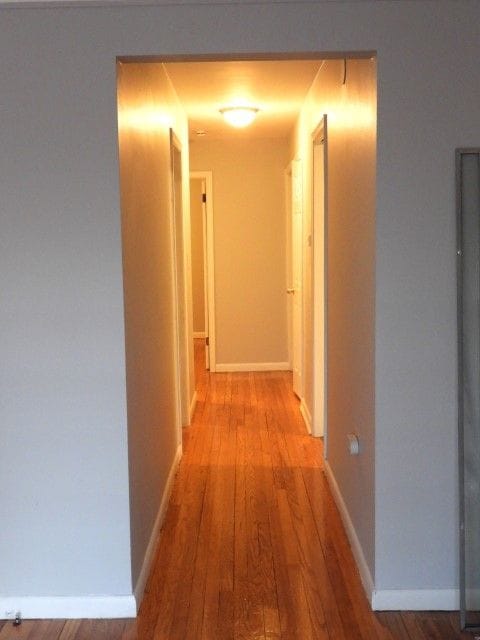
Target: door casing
pixel 209 265
pixel 319 279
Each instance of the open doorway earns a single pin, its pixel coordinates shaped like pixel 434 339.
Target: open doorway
pixel 294 211
pixel 150 104
pixel 265 308
pixel 203 264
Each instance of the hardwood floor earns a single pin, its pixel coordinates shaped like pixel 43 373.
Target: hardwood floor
pixel 252 546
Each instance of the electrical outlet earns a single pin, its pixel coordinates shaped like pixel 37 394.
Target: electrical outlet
pixel 353 444
pixel 15 616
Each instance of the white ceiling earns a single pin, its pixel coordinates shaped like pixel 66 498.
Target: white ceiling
pixel 277 88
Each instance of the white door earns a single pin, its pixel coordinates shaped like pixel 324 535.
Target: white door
pixel 182 359
pixel 319 270
pixel 295 285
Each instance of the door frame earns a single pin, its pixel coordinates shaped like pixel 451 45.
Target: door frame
pixel 319 287
pixel 209 263
pixel 289 262
pixel 180 290
pixel 293 201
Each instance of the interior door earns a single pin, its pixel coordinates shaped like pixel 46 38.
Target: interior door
pixel 319 287
pixel 205 272
pixel 295 285
pixel 179 260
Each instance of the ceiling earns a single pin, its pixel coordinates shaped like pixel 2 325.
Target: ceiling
pixel 277 88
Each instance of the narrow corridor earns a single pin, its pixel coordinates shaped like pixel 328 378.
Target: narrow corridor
pixel 253 545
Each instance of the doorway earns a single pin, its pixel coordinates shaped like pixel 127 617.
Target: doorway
pixel 294 207
pixel 203 263
pixel 352 225
pixel 180 276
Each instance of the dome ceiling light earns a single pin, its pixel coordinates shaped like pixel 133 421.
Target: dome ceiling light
pixel 239 116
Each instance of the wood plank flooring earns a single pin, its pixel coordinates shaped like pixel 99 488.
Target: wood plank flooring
pixel 252 546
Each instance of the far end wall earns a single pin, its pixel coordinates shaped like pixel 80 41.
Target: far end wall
pixel 250 267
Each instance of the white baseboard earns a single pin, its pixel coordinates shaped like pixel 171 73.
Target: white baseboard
pixel 252 366
pixel 113 606
pixel 389 599
pixel 199 334
pixel 415 600
pixel 365 575
pixel 307 417
pixel 68 607
pixel 193 404
pixel 152 545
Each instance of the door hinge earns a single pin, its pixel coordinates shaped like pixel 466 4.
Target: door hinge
pixel 207 341
pixel 204 197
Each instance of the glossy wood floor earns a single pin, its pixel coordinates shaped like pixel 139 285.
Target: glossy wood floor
pixel 252 546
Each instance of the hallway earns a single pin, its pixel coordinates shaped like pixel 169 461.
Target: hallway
pixel 252 546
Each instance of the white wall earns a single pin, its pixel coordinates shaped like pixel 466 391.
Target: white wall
pixel 61 318
pixel 250 246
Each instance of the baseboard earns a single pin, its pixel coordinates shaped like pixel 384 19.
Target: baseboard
pixel 152 545
pixel 117 606
pixel 252 366
pixel 68 607
pixel 193 404
pixel 307 417
pixel 199 334
pixel 389 599
pixel 415 600
pixel 365 575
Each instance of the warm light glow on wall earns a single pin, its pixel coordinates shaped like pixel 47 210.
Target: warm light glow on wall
pixel 240 116
pixel 145 118
pixel 352 116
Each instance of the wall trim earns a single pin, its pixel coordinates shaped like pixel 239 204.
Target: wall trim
pixel 365 575
pixel 154 537
pixel 199 334
pixel 415 600
pixel 253 366
pixel 46 607
pixel 306 415
pixel 193 405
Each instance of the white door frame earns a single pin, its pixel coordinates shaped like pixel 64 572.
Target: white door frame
pixel 319 280
pixel 209 262
pixel 288 266
pixel 294 206
pixel 181 363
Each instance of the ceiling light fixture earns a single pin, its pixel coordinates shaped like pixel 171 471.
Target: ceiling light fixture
pixel 239 116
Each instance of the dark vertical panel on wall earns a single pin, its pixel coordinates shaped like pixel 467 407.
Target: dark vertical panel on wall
pixel 468 203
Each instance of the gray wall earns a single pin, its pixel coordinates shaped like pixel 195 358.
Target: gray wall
pixel 63 372
pixel 63 454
